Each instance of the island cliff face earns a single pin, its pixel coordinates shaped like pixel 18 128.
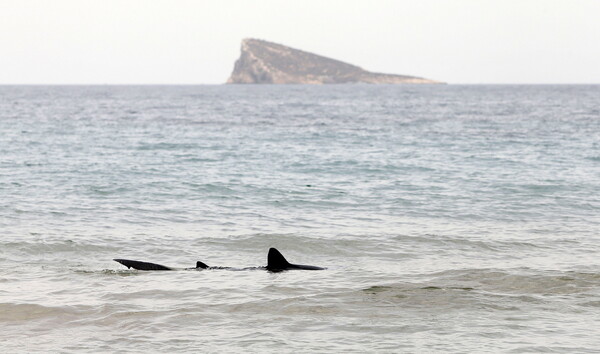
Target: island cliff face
pixel 263 62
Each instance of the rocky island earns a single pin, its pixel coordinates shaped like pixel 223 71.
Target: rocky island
pixel 263 62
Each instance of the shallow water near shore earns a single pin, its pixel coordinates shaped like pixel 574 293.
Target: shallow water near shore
pixel 450 218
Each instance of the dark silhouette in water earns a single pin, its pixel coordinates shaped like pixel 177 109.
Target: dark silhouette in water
pixel 276 262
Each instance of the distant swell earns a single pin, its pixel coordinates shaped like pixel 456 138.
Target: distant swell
pixel 17 312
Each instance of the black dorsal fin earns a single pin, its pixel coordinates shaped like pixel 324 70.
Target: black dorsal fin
pixel 201 265
pixel 275 260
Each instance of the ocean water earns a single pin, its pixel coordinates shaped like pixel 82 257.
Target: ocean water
pixel 450 218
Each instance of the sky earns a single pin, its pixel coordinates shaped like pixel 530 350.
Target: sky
pixel 197 42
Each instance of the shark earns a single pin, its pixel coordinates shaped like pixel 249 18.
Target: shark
pixel 276 262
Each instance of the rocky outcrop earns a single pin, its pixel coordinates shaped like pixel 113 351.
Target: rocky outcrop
pixel 263 62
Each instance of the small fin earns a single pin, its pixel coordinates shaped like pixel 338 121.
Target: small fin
pixel 141 265
pixel 201 265
pixel 276 261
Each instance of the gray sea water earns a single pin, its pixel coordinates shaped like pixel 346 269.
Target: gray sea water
pixel 450 218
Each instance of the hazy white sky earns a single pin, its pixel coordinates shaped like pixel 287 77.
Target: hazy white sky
pixel 197 42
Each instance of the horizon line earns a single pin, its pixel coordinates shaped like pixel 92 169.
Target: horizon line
pixel 341 84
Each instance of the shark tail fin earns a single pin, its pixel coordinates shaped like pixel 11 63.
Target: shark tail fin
pixel 141 265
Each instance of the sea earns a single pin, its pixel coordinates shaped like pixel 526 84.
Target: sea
pixel 450 218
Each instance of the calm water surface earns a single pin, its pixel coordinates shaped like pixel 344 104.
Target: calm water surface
pixel 450 218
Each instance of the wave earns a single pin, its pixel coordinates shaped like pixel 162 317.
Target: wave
pixel 492 288
pixel 52 247
pixel 17 312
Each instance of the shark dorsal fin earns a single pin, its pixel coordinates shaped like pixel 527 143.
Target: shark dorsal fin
pixel 201 265
pixel 275 260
